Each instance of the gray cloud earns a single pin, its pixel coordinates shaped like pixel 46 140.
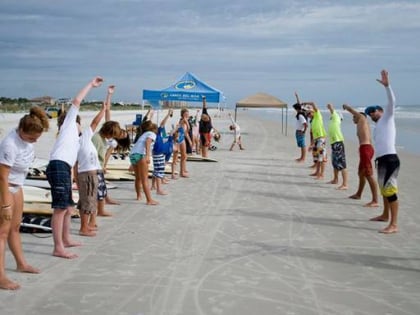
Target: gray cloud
pixel 329 51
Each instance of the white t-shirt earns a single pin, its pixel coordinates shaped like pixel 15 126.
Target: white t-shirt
pixel 87 157
pixel 18 155
pixel 111 143
pixel 66 145
pixel 300 122
pixel 237 130
pixel 384 133
pixel 140 145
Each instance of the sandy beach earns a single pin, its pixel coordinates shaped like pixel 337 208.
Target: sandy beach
pixel 250 234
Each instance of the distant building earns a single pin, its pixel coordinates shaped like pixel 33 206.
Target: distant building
pixel 63 101
pixel 43 100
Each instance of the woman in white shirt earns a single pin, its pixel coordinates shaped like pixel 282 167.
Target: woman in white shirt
pixel 16 156
pixel 140 156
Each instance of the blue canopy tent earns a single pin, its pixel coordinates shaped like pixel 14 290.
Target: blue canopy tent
pixel 187 89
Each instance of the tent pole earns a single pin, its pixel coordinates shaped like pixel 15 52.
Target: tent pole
pixel 282 111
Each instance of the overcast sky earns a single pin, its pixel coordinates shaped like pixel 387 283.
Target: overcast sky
pixel 328 51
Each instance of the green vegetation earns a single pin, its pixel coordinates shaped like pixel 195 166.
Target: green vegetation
pixel 16 105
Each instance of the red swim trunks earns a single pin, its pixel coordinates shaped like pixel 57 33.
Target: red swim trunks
pixel 366 153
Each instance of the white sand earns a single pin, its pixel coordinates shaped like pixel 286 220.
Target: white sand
pixel 251 234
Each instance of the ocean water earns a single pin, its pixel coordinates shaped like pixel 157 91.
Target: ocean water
pixel 407 121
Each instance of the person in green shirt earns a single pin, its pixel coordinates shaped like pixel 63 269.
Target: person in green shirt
pixel 338 154
pixel 318 140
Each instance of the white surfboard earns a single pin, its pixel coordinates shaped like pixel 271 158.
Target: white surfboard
pixel 198 158
pixel 35 194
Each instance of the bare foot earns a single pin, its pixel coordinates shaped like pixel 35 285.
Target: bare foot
pixel 71 243
pixel 89 232
pixel 110 201
pixel 342 187
pixel 333 181
pixel 174 177
pixel 161 192
pixel 380 218
pixel 7 284
pixel 93 227
pixel 355 196
pixel 372 204
pixel 152 188
pixel 152 203
pixel 389 229
pixel 319 177
pixel 312 166
pixel 184 175
pixel 105 214
pixel 27 269
pixel 313 174
pixel 64 254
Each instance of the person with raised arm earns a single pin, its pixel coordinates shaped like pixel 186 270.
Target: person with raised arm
pixel 318 140
pixel 16 156
pixel 158 153
pixel 388 163
pixel 366 152
pixel 338 153
pixel 236 134
pixel 62 159
pixel 205 126
pixel 109 130
pixel 301 126
pixel 140 157
pixel 183 138
pixel 87 169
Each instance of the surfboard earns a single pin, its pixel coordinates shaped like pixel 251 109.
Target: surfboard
pixel 123 166
pixel 40 183
pixel 122 175
pixel 43 209
pixel 197 158
pixel 39 195
pixel 118 165
pixel 40 163
pixel 37 208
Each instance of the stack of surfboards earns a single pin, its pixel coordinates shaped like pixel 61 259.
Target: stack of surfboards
pixel 118 169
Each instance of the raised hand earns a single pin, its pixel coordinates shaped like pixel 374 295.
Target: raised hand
pixel 97 81
pixel 384 78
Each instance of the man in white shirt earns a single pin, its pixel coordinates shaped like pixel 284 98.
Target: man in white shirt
pixel 386 156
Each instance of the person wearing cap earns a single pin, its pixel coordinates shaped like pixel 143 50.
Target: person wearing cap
pixel 366 153
pixel 388 163
pixel 338 153
pixel 318 140
pixel 301 126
